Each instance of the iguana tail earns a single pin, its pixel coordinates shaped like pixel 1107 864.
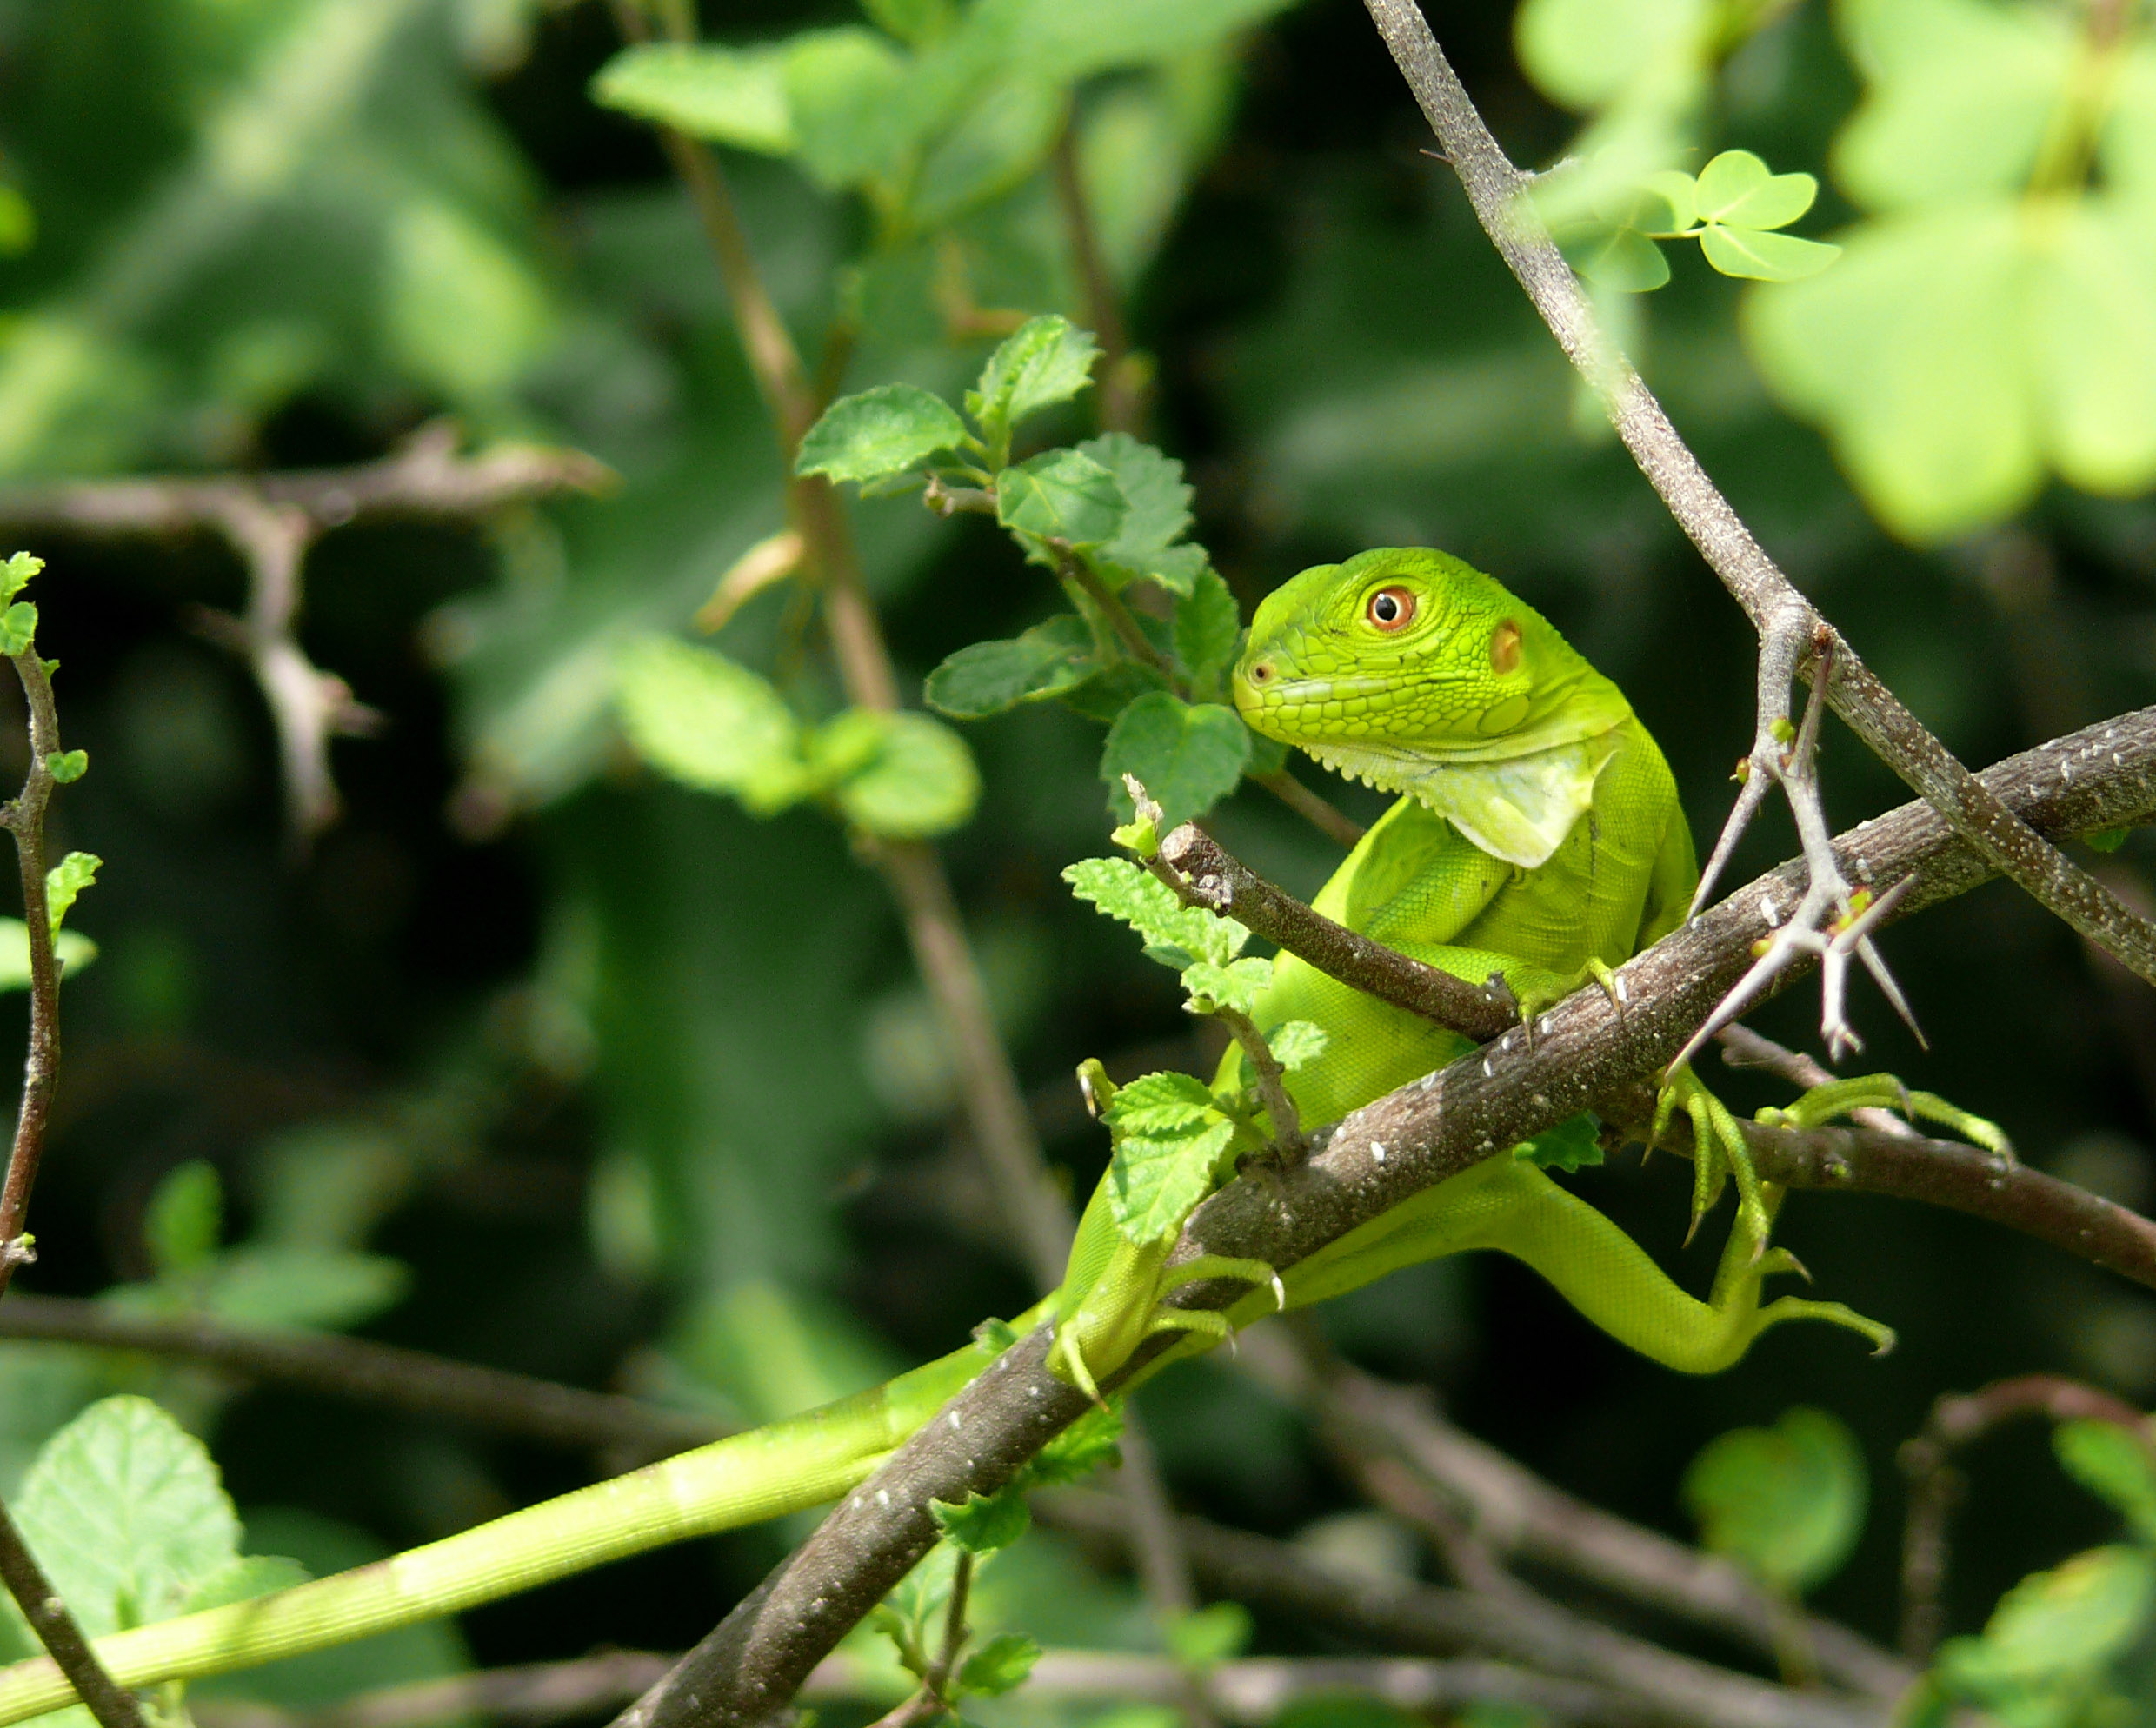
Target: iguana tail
pixel 785 1467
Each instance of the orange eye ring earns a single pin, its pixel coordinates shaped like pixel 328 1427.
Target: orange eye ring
pixel 1391 609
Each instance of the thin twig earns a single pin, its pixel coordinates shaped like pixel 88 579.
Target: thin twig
pixel 1791 630
pixel 382 1374
pixel 24 818
pixel 1269 1077
pixel 1122 395
pixel 1378 1157
pixel 1957 1420
pixel 933 1697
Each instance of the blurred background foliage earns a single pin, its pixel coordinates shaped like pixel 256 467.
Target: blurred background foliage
pixel 539 1061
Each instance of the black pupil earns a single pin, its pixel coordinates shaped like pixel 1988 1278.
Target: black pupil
pixel 1385 609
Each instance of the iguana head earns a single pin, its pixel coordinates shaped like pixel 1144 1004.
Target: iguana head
pixel 1406 669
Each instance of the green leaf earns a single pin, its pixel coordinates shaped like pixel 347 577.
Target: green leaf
pixel 183 1223
pixel 2115 1465
pixel 880 432
pixel 2069 1620
pixel 918 21
pixel 68 766
pixel 125 1511
pixel 1105 695
pixel 1170 1135
pixel 67 879
pixel 1217 1632
pixel 857 109
pixel 921 782
pixel 1787 1501
pixel 1069 42
pixel 1765 257
pixel 731 96
pixel 1061 495
pixel 1748 195
pixel 1046 359
pixel 1625 261
pixel 1090 1442
pixel 1003 133
pixel 1573 1143
pixel 2106 840
pixel 1238 985
pixel 984 1523
pixel 16 573
pixel 1153 484
pixel 1000 1666
pixel 1585 53
pixel 1667 201
pixel 242 1581
pixel 1297 1043
pixel 988 678
pixel 18 627
pixel 1134 896
pixel 325 1289
pixel 710 723
pixel 1208 626
pixel 73 952
pixel 1189 756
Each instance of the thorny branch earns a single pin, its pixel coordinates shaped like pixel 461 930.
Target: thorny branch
pixel 1794 638
pixel 1957 1420
pixel 272 521
pixel 1585 1050
pixel 24 818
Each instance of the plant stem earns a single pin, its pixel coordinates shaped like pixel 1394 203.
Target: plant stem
pixel 113 1706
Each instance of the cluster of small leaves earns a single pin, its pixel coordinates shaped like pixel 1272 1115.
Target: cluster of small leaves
pixel 127 1514
pixel 1734 207
pixel 1786 1502
pixel 284 1284
pixel 711 724
pixel 1991 323
pixel 67 879
pixel 1106 516
pixel 929 116
pixel 2050 1655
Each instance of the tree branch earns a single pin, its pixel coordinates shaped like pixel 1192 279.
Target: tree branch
pixel 372 1373
pixel 1587 1048
pixel 113 1706
pixel 1791 629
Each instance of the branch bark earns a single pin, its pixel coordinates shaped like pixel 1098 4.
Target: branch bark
pixel 1792 631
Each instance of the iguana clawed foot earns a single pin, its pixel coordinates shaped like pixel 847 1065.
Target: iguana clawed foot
pixel 1120 1313
pixel 1883 1091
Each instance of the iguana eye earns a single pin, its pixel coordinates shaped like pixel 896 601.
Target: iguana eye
pixel 1392 608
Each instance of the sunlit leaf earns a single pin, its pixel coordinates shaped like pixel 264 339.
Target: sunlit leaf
pixel 704 720
pixel 1297 1043
pixel 984 1523
pixel 73 951
pixel 1573 1144
pixel 878 432
pixel 1584 53
pixel 1169 1134
pixel 2073 1618
pixel 1146 545
pixel 1625 261
pixel 1131 893
pixel 1208 624
pixel 1763 256
pixel 986 678
pixel 731 96
pixel 183 1222
pixel 921 782
pixel 1238 985
pixel 1003 133
pixel 1061 495
pixel 2114 1464
pixel 1189 756
pixel 1001 1665
pixel 1045 361
pixel 1750 195
pixel 1788 1500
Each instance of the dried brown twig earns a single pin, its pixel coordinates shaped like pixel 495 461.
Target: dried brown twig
pixel 272 521
pixel 1794 638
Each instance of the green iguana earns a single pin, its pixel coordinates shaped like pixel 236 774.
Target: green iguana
pixel 1539 836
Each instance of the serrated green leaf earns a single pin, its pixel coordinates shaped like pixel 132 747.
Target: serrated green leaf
pixel 1788 1501
pixel 1001 1665
pixel 1625 261
pixel 988 678
pixel 1170 1135
pixel 1763 256
pixel 17 572
pixel 1132 894
pixel 876 433
pixel 730 95
pixel 18 627
pixel 711 724
pixel 1152 482
pixel 324 1289
pixel 1046 359
pixel 2069 1620
pixel 66 880
pixel 2115 1465
pixel 921 782
pixel 73 952
pixel 1061 495
pixel 1208 626
pixel 1573 1143
pixel 126 1513
pixel 858 109
pixel 1094 1440
pixel 183 1223
pixel 67 766
pixel 1215 1633
pixel 1238 985
pixel 1189 756
pixel 984 1523
pixel 1297 1043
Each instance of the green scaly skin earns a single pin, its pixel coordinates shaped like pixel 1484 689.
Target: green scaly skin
pixel 1495 729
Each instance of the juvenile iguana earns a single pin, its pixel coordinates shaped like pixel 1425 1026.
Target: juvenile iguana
pixel 1539 836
